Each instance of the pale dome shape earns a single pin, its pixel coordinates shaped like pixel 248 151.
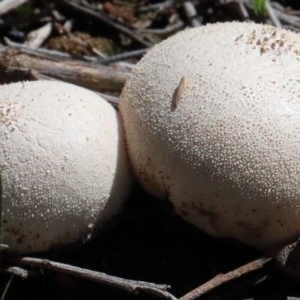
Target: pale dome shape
pixel 212 122
pixel 63 164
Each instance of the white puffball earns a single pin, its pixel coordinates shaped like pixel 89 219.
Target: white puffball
pixel 212 122
pixel 63 164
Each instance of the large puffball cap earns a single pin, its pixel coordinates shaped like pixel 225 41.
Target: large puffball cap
pixel 212 122
pixel 63 164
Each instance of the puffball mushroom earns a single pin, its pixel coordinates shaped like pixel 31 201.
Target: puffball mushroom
pixel 63 164
pixel 212 122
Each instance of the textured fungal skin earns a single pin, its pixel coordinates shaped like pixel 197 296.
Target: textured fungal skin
pixel 227 154
pixel 63 164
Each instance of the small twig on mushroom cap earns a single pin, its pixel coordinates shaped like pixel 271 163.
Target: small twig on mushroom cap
pixel 225 278
pixel 159 290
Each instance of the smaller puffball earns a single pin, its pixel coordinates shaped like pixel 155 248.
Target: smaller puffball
pixel 63 164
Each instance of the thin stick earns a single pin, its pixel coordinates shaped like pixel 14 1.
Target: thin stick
pixel 8 5
pixel 225 278
pixel 191 13
pixel 123 56
pixel 102 18
pixel 286 17
pixel 165 32
pixel 132 286
pixel 243 9
pixel 55 54
pixel 272 14
pixel 7 287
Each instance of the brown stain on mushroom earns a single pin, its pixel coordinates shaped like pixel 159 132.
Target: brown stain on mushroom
pixel 176 98
pixel 9 113
pixel 157 181
pixel 214 219
pixel 267 41
pixel 211 215
pixel 31 239
pixel 253 231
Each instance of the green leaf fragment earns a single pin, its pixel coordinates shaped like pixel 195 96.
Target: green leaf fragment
pixel 258 6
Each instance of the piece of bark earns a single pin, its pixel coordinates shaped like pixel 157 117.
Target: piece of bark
pixel 17 65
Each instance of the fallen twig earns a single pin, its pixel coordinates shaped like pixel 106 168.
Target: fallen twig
pixel 191 13
pixel 225 278
pixel 272 14
pixel 55 54
pixel 243 10
pixel 17 63
pixel 123 56
pixel 132 286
